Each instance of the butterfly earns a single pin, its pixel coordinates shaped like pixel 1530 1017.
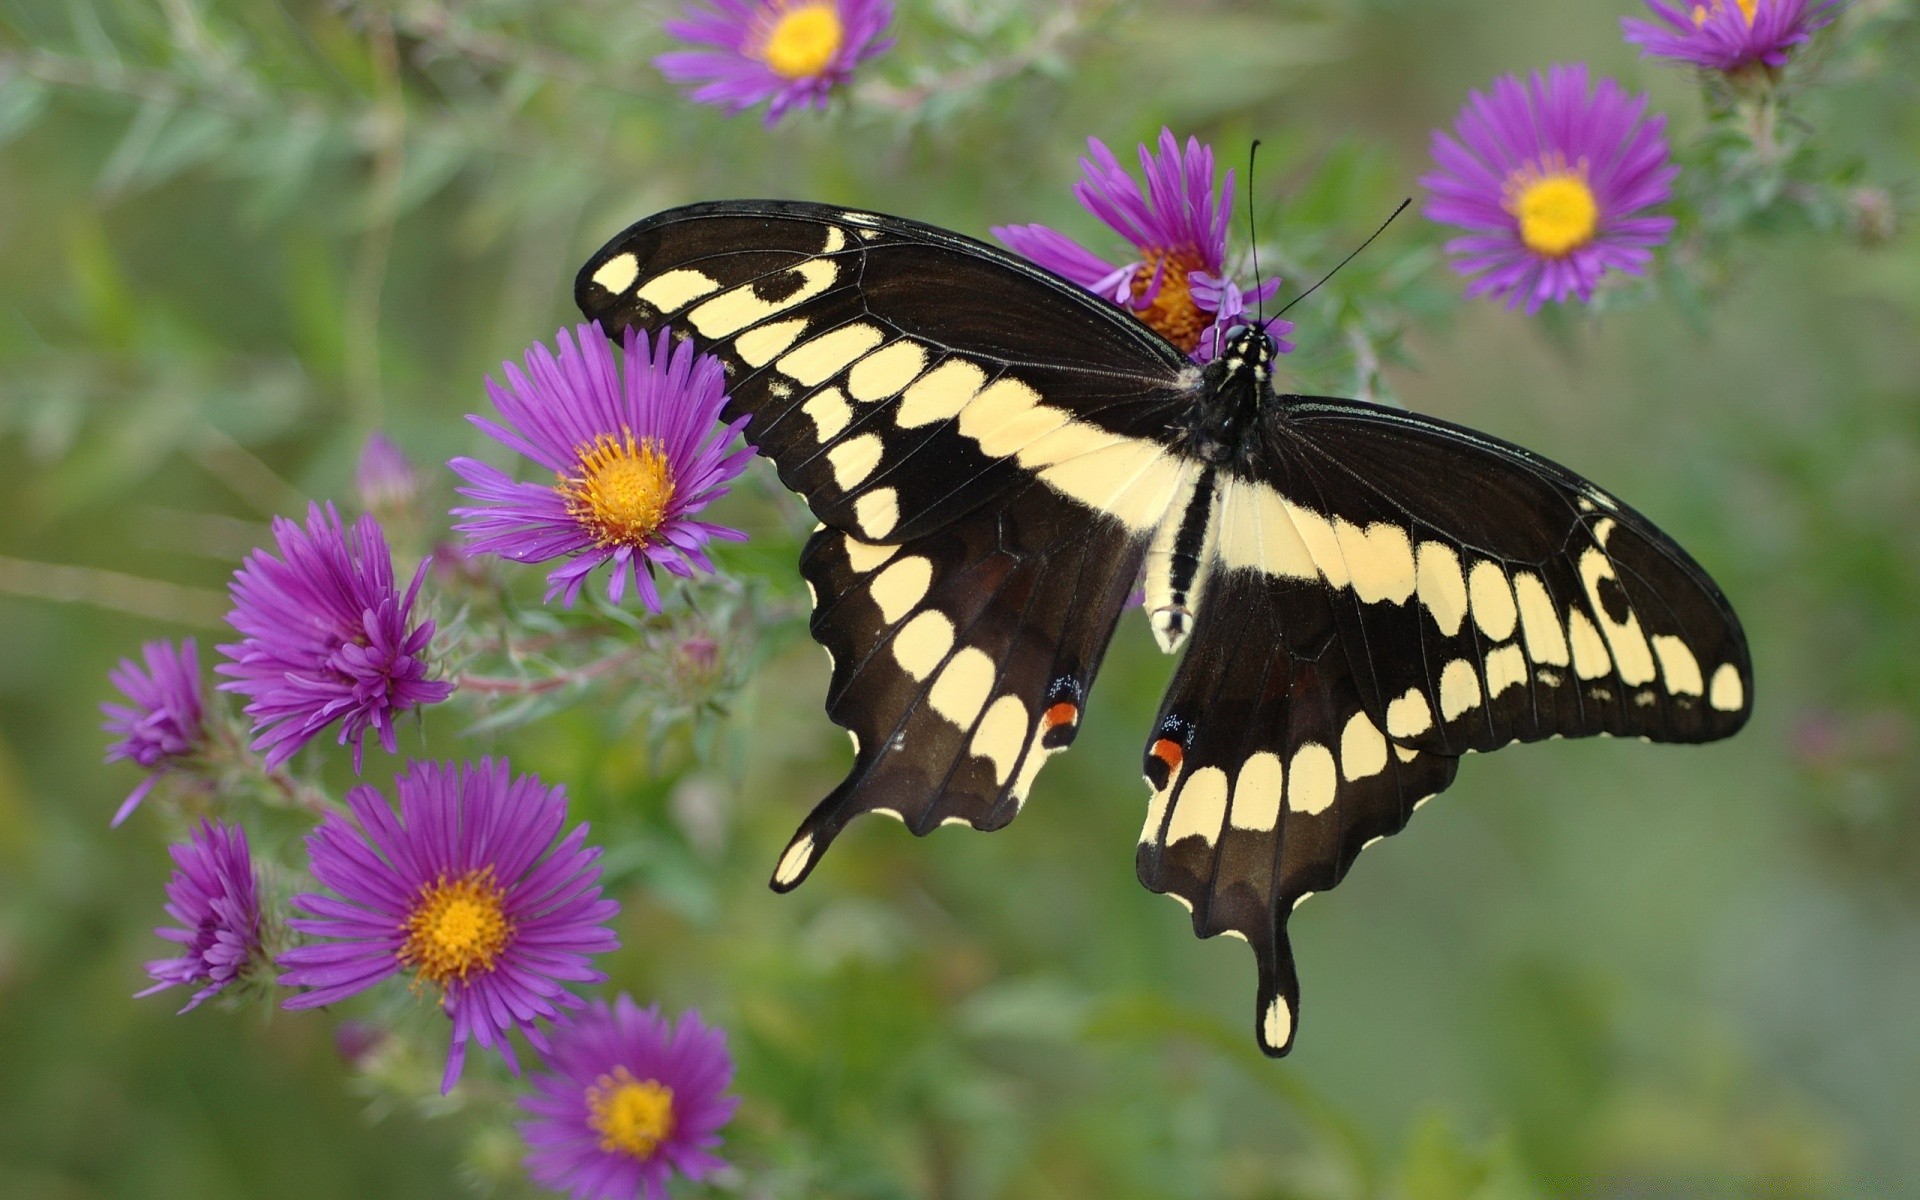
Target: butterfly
pixel 997 458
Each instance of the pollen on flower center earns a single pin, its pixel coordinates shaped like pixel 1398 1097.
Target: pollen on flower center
pixel 1556 210
pixel 1701 12
pixel 1169 310
pixel 803 40
pixel 632 1116
pixel 622 490
pixel 456 928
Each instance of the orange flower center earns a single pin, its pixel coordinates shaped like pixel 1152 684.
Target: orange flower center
pixel 622 490
pixel 802 38
pixel 1172 314
pixel 457 928
pixel 1701 12
pixel 632 1116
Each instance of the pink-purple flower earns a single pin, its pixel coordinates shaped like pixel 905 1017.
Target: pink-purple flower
pixel 163 721
pixel 384 479
pixel 1725 35
pixel 786 53
pixel 214 898
pixel 467 888
pixel 632 460
pixel 1552 183
pixel 326 636
pixel 632 1100
pixel 1176 282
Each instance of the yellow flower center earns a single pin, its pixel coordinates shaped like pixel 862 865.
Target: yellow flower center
pixel 632 1116
pixel 1555 207
pixel 622 491
pixel 1701 12
pixel 803 39
pixel 1173 314
pixel 456 928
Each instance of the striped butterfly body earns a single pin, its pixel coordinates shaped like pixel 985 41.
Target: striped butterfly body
pixel 997 458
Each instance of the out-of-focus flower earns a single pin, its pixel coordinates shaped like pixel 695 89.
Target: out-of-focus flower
pixel 327 637
pixel 385 480
pixel 1551 183
pixel 1876 215
pixel 632 1100
pixel 1725 35
pixel 1177 283
pixel 788 53
pixel 163 723
pixel 215 899
pixel 466 888
pixel 632 460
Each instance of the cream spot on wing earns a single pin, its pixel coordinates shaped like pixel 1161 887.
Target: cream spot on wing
pixel 1540 621
pixel 618 273
pixel 1363 751
pixel 922 643
pixel 1422 801
pixel 1131 480
pixel 939 395
pixel 818 359
pixel 1492 599
pixel 886 370
pixel 1728 694
pixel 1404 754
pixel 1323 544
pixel 877 512
pixel 883 811
pixel 735 309
pixel 865 556
pixel 1552 679
pixel 1302 898
pixel 1007 416
pixel 794 861
pixel 1277 1026
pixel 1256 533
pixel 1156 812
pixel 1410 715
pixel 1371 842
pixel 1001 736
pixel 1590 659
pixel 1459 688
pixel 763 343
pixel 1182 901
pixel 829 412
pixel 1441 586
pixel 1311 783
pixel 1201 806
pixel 836 240
pixel 961 689
pixel 1632 658
pixel 1257 792
pixel 1678 667
pixel 854 459
pixel 676 289
pixel 901 586
pixel 1506 666
pixel 1379 561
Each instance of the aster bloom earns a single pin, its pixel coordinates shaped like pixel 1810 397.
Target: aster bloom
pixel 326 637
pixel 215 898
pixel 384 480
pixel 632 1099
pixel 1177 282
pixel 162 724
pixel 789 53
pixel 467 889
pixel 1551 183
pixel 1725 35
pixel 632 461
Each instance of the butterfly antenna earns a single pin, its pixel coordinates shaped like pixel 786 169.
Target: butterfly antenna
pixel 1253 244
pixel 1349 258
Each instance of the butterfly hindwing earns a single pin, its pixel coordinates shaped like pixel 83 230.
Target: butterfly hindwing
pixel 1269 777
pixel 961 660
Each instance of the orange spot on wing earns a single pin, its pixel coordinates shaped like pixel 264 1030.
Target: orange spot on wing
pixel 1169 752
pixel 1063 713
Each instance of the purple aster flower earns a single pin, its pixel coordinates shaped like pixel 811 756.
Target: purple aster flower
pixel 1552 184
pixel 215 898
pixel 468 890
pixel 1178 283
pixel 633 1099
pixel 786 52
pixel 327 637
pixel 632 462
pixel 162 725
pixel 1725 35
pixel 385 480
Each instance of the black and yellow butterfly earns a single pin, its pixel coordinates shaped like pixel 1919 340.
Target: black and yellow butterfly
pixel 997 459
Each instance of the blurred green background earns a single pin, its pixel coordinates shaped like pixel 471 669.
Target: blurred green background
pixel 235 237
